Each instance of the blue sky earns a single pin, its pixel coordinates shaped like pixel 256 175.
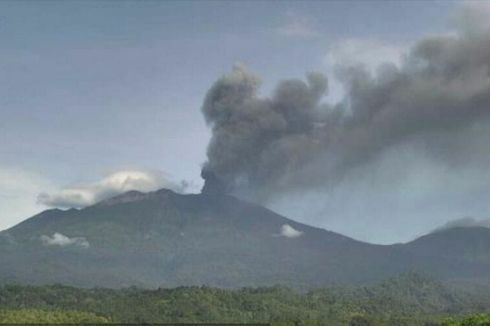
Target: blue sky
pixel 89 88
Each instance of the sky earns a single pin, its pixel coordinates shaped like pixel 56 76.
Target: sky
pixel 97 97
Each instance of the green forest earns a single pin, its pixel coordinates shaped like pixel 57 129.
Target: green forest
pixel 409 299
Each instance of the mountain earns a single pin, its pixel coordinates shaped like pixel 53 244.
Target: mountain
pixel 165 239
pixel 459 252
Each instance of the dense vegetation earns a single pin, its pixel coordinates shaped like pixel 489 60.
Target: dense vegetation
pixel 31 316
pixel 476 320
pixel 407 300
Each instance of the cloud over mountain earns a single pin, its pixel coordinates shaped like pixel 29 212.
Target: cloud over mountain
pixel 61 240
pixel 289 232
pixel 464 222
pixel 114 184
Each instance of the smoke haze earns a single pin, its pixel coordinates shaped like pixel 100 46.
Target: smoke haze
pixel 436 104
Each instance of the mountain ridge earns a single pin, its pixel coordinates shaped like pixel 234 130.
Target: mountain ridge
pixel 163 238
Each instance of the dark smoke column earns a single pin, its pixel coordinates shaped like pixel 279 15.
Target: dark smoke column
pixel 212 185
pixel 258 142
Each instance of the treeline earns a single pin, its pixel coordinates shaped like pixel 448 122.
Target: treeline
pixel 407 300
pixel 34 316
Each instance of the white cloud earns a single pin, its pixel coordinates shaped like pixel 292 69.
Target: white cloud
pixel 472 17
pixel 18 191
pixel 61 240
pixel 289 232
pixel 368 52
pixel 297 26
pixel 115 184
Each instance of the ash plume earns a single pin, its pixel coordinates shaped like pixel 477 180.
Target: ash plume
pixel 264 146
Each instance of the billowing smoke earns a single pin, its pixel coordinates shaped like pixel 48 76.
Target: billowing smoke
pixel 265 146
pixel 257 142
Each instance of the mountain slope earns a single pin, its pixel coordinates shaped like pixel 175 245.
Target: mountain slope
pixel 460 252
pixel 167 239
pixel 462 243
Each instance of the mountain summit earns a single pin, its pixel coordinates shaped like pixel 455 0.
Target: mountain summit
pixel 165 239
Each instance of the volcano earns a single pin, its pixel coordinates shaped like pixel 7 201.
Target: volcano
pixel 166 239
